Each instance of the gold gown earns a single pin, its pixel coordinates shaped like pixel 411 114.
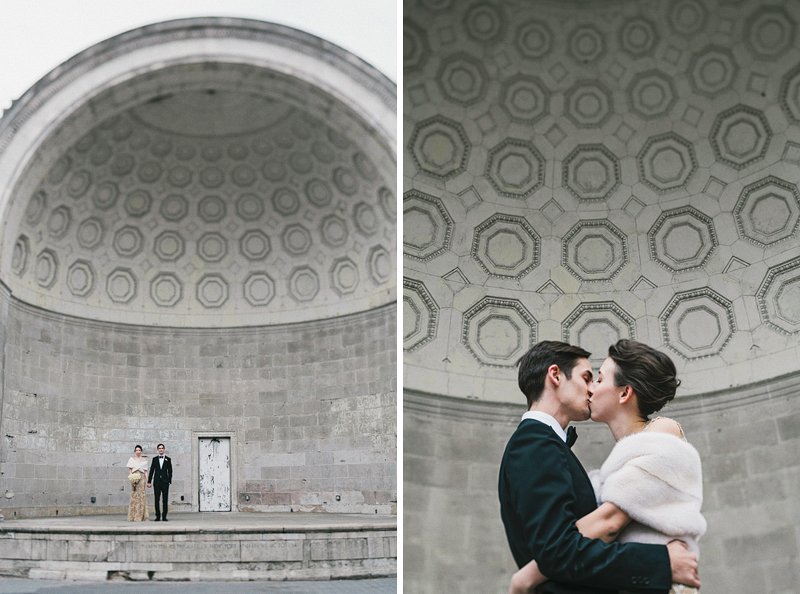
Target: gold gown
pixel 137 509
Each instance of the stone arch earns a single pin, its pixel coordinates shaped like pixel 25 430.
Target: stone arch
pixel 198 235
pixel 155 124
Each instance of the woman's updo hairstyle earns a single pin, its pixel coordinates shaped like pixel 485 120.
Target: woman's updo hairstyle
pixel 650 373
pixel 137 446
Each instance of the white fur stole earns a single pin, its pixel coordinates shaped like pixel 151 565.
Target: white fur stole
pixel 656 478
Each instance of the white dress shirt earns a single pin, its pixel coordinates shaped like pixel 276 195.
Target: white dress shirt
pixel 543 417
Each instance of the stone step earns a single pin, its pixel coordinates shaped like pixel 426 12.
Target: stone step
pixel 195 546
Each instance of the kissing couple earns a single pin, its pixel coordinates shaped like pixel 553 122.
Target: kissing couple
pixel 634 524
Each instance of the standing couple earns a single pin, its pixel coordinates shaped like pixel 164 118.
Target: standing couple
pixel 643 536
pixel 159 477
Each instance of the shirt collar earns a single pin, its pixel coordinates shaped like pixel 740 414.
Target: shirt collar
pixel 549 420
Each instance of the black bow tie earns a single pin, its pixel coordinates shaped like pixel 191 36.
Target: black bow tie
pixel 572 436
pixel 162 457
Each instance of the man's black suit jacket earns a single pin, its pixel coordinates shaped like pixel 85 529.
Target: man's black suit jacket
pixel 163 475
pixel 543 491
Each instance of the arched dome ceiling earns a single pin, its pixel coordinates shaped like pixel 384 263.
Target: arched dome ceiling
pixel 578 173
pixel 206 194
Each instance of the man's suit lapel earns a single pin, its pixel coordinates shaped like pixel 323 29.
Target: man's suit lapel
pixel 580 466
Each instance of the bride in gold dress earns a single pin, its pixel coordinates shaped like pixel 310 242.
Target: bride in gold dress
pixel 137 471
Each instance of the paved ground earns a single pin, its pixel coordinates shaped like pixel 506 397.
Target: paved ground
pixel 372 586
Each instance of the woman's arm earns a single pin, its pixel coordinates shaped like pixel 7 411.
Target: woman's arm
pixel 526 579
pixel 605 523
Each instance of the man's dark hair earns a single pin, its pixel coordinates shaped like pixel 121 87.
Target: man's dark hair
pixel 533 365
pixel 650 373
pixel 161 445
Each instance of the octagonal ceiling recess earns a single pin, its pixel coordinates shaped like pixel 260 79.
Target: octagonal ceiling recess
pixel 210 187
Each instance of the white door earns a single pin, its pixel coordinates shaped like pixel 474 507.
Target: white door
pixel 215 474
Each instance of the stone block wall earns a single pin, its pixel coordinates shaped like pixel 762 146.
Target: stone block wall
pixel 749 442
pixel 310 409
pixel 4 295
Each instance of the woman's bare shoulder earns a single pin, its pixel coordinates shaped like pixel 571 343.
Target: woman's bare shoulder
pixel 665 425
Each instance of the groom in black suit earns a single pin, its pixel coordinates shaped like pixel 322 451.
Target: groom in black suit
pixel 544 490
pixel 160 477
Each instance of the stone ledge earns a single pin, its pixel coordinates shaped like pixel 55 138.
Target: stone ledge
pixel 255 546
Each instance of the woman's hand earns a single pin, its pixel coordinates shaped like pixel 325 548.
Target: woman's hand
pixel 526 579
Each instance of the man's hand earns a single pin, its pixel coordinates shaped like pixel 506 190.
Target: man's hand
pixel 683 564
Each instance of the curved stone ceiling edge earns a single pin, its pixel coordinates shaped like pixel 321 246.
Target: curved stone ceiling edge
pixel 211 320
pixel 510 411
pixel 63 90
pixel 187 29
